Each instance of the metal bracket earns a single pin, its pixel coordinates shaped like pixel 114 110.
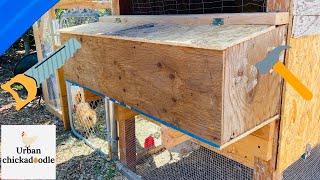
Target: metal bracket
pixel 307 152
pixel 217 21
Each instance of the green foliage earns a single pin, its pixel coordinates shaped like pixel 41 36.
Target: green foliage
pixel 59 12
pixel 19 87
pixel 111 173
pixel 103 12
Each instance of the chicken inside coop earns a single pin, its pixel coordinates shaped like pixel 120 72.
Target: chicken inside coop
pixel 86 117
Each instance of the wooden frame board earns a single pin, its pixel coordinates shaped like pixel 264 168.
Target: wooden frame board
pixel 198 19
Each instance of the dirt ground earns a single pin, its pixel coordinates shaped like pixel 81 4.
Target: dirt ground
pixel 75 160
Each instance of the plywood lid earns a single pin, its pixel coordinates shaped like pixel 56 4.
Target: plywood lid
pixel 200 36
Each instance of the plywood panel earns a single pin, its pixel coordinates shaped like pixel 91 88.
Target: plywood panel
pixel 300 123
pixel 221 37
pixel 164 81
pixel 305 25
pixel 306 7
pixel 247 94
pixel 168 70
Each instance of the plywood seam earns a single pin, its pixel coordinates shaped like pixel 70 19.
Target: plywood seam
pixel 276 117
pixel 222 92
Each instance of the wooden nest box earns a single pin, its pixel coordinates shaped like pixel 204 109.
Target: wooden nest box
pixel 200 79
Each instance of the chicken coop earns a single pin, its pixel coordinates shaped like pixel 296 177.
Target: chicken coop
pixel 169 88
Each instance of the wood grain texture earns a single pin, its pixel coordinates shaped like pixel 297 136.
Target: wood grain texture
pixel 205 19
pixel 300 121
pixel 305 25
pixel 306 7
pixel 171 137
pixel 266 169
pixel 115 10
pixel 278 5
pixel 253 146
pixel 123 113
pixel 39 30
pixel 221 37
pixel 162 80
pixel 62 88
pixel 127 143
pixel 169 75
pixel 88 96
pixel 249 97
pixel 67 4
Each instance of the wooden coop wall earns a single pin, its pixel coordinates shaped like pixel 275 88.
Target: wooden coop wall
pixel 300 121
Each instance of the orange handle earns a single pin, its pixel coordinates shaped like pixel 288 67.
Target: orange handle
pixel 293 81
pixel 30 85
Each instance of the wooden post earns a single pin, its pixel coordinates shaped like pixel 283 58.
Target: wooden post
pixel 127 143
pixel 62 88
pixel 265 170
pixel 127 138
pixel 38 32
pixel 115 7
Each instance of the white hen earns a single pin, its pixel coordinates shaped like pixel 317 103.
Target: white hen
pixel 28 140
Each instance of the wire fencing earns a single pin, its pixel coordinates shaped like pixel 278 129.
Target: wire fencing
pixel 158 7
pixel 163 153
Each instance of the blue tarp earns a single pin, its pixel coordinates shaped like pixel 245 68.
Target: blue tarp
pixel 18 16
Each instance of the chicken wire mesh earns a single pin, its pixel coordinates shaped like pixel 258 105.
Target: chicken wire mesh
pixel 50 37
pixel 88 119
pixel 156 7
pixel 305 168
pixel 47 48
pixel 162 153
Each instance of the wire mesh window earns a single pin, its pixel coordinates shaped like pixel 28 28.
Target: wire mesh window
pixel 157 7
pixel 89 119
pixel 163 153
pixel 308 168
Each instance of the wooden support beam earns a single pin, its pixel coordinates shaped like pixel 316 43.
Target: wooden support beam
pixel 127 142
pixel 115 7
pixel 171 137
pixel 82 4
pixel 123 113
pixel 61 82
pixel 38 31
pixel 149 152
pixel 62 88
pixel 229 19
pixel 88 96
pixel 278 6
pixel 258 144
pixel 266 169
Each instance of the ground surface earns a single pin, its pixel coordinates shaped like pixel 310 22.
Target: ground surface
pixel 75 160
